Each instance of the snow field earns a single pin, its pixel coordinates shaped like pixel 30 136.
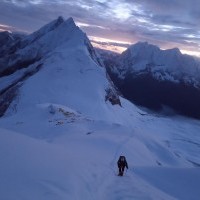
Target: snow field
pixel 76 159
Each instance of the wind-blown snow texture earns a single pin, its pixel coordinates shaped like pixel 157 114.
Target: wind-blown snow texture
pixel 60 138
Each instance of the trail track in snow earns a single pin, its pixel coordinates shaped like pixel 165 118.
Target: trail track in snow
pixel 110 186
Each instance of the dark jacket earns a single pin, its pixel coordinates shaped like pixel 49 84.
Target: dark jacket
pixel 122 162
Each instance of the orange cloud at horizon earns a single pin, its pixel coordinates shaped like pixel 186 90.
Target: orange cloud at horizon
pixel 108 44
pixel 114 45
pixel 109 47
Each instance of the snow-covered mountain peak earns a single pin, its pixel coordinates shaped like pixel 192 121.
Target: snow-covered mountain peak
pixel 143 56
pixel 57 33
pixel 20 52
pixel 58 65
pixel 142 48
pixel 52 34
pixel 70 22
pixel 147 51
pixel 143 45
pixel 145 74
pixel 141 51
pixel 174 51
pixel 41 32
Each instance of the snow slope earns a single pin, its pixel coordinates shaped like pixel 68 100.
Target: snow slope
pixel 68 156
pixel 60 138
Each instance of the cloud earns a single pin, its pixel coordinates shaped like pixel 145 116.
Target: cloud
pixel 161 22
pixel 31 14
pixel 116 44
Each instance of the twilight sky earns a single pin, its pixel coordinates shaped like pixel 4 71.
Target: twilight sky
pixel 113 24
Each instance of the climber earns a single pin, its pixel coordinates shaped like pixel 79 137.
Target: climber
pixel 122 163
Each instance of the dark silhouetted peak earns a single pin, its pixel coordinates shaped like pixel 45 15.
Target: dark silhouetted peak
pixel 5 37
pixel 60 19
pixel 4 34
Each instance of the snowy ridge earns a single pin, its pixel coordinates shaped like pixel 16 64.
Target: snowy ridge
pixel 44 30
pixel 36 46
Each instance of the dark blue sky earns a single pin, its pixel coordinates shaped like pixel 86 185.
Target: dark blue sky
pixel 166 23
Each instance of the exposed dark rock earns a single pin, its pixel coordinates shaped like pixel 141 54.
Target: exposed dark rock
pixel 20 64
pixel 112 97
pixel 7 97
pixel 8 94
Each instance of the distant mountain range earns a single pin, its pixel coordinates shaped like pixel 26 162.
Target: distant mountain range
pixel 156 79
pixel 144 74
